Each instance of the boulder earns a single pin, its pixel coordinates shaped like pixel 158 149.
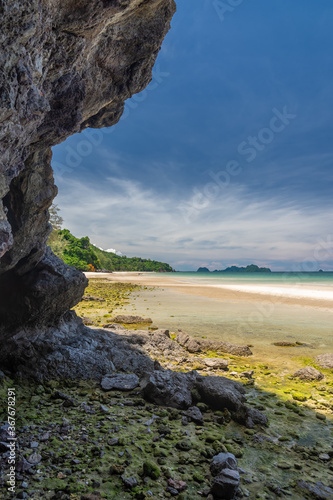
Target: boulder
pixel 194 415
pixel 169 388
pixel 325 361
pixel 189 343
pixel 216 363
pixel 220 392
pixel 248 374
pixel 129 482
pixel 223 461
pixel 194 345
pixel 308 373
pixel 52 288
pixel 225 485
pixel 120 381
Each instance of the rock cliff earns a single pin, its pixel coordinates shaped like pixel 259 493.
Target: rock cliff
pixel 64 66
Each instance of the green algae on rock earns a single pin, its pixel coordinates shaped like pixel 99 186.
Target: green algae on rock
pixel 85 451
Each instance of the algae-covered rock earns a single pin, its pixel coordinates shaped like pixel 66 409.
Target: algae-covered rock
pixel 184 445
pixel 308 373
pixel 286 343
pixel 298 396
pixel 151 469
pixel 325 361
pixel 314 490
pixel 129 319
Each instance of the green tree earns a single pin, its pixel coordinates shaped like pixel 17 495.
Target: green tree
pixel 55 219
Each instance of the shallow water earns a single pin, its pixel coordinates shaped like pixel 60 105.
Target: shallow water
pixel 247 319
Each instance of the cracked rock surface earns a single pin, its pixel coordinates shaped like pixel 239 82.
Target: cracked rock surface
pixel 64 66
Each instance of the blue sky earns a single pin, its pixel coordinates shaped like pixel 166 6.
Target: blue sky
pixel 226 158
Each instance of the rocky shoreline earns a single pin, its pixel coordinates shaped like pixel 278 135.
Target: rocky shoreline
pixel 118 414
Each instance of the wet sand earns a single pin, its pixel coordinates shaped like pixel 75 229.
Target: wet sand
pixel 298 293
pixel 237 314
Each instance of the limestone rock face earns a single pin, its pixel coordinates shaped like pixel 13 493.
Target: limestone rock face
pixel 64 66
pixel 41 295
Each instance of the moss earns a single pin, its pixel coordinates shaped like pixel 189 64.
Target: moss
pixel 173 414
pixel 184 445
pixel 53 484
pixel 202 407
pixel 151 469
pixel 160 452
pixel 210 437
pixel 117 469
pixel 198 477
pixel 299 396
pixel 291 406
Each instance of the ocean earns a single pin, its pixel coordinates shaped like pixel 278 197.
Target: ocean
pixel 292 284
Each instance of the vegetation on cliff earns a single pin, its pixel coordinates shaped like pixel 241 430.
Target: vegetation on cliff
pixel 81 254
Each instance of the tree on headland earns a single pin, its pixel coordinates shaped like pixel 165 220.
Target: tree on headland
pixel 56 222
pixel 55 219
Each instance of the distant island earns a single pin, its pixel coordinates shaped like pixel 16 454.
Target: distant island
pixel 252 268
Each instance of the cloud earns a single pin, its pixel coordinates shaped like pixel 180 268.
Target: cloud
pixel 236 227
pixel 113 250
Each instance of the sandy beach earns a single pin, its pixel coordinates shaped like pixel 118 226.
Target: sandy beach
pixel 301 294
pixel 248 314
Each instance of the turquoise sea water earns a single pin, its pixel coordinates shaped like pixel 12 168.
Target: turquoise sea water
pixel 277 278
